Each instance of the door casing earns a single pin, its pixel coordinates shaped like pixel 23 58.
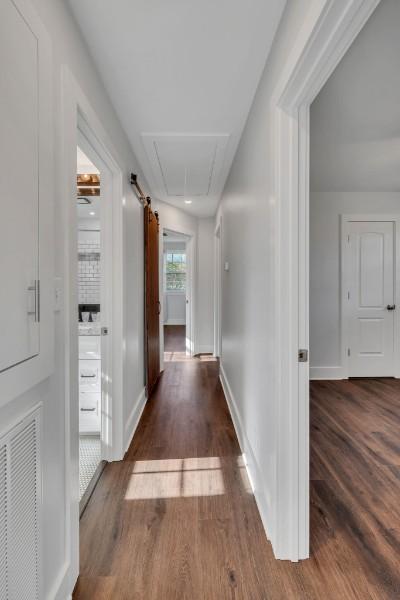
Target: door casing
pixel 328 31
pixel 191 258
pixel 77 113
pixel 218 290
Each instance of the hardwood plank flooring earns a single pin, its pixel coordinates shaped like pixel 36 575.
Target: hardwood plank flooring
pixel 174 338
pixel 176 520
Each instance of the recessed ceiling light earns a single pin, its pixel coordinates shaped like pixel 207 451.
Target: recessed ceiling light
pixel 92 213
pixel 188 202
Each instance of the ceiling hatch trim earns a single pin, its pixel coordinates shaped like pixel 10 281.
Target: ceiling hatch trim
pixel 187 165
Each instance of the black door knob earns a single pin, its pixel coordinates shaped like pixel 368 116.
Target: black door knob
pixel 391 306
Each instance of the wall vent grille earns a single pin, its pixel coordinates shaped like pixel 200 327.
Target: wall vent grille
pixel 20 502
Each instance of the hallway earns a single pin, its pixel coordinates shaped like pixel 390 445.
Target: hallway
pixel 177 520
pixel 200 309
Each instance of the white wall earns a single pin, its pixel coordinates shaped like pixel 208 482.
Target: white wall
pixel 70 49
pixel 205 306
pixel 355 140
pixel 325 211
pixel 179 221
pixel 249 237
pixel 174 308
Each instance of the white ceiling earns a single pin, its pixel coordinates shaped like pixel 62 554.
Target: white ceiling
pixel 355 120
pixel 182 75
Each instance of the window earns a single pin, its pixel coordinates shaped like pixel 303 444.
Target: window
pixel 175 272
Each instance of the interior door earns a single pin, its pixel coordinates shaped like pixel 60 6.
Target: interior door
pixel 152 299
pixel 19 189
pixel 371 299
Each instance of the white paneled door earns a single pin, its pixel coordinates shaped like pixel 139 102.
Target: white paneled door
pixel 370 295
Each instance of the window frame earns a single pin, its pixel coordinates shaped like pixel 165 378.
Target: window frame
pixel 172 291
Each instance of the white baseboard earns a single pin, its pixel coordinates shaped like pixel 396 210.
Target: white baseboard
pixel 175 322
pixel 326 373
pixel 251 464
pixel 61 588
pixel 134 418
pixel 204 349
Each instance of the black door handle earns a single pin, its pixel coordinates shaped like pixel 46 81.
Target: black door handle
pixel 391 306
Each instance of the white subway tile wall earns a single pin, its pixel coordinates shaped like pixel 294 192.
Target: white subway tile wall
pixel 89 272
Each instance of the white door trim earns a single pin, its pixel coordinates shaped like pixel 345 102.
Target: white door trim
pixel 218 289
pixel 88 144
pixel 77 111
pixel 344 267
pixel 329 29
pixel 191 262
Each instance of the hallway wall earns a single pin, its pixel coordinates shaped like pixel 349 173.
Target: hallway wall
pixel 70 49
pixel 205 310
pixel 249 233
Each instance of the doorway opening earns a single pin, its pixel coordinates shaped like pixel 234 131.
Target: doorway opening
pixel 91 287
pixel 329 33
pixel 82 128
pixel 175 288
pixel 354 284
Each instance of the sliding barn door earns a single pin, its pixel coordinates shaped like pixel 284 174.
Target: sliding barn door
pixel 152 300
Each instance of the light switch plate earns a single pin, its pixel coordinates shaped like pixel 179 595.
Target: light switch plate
pixel 226 266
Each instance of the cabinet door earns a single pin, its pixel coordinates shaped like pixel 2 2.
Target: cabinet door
pixel 19 189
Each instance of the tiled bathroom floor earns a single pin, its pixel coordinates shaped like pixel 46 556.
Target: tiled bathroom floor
pixel 89 459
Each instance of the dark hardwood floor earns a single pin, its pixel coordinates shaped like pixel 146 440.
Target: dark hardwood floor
pixel 174 338
pixel 176 519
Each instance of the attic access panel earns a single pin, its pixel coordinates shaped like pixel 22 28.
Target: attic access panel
pixel 187 165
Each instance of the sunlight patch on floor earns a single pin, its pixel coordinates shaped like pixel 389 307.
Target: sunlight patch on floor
pixel 183 357
pixel 175 478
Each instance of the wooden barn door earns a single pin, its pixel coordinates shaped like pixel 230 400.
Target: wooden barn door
pixel 152 299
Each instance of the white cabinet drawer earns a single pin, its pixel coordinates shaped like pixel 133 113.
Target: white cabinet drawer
pixel 89 422
pixel 89 412
pixel 89 375
pixel 89 402
pixel 90 347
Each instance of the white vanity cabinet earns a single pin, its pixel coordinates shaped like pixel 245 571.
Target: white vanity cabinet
pixel 26 206
pixel 89 384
